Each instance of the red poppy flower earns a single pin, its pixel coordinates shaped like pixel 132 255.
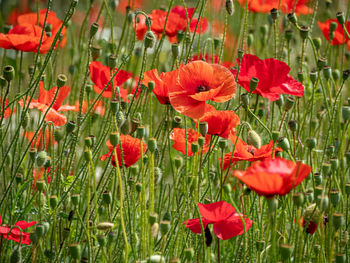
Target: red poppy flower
pixel 101 75
pixel 15 13
pixel 25 36
pixel 198 82
pixel 44 101
pixel 15 233
pixel 131 150
pixel 273 77
pixel 178 136
pixel 161 83
pixel 287 6
pixel 271 177
pixel 246 152
pixel 38 175
pixel 220 123
pixel 227 223
pixel 340 37
pixel 98 107
pixel 311 227
pixel 135 4
pixel 39 141
pixel 202 24
pixel 8 111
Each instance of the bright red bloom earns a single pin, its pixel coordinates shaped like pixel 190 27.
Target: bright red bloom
pixel 25 36
pixel 273 77
pixel 246 152
pixel 273 176
pixel 198 82
pixel 340 37
pixel 178 136
pixel 101 75
pixel 161 82
pixel 98 107
pixel 38 142
pixel 15 233
pixel 135 4
pixel 220 123
pixel 44 101
pixel 8 111
pixel 227 223
pixel 287 6
pixel 131 150
pixel 15 13
pixel 202 24
pixel 311 227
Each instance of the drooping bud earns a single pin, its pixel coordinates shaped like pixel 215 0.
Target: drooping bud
pixel 229 7
pixel 150 39
pixel 254 139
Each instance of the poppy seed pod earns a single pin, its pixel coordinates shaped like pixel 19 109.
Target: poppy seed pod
pixel 75 251
pixel 346 74
pixel 53 201
pixel 286 251
pixel 95 51
pixel 19 178
pixel 292 18
pixel 229 7
pixel 140 132
pixel 275 135
pixel 25 120
pixel 203 128
pixel 288 34
pixel 311 143
pixel 114 138
pixel 176 123
pixel 240 53
pixel 180 35
pixel 341 18
pixel 260 244
pixel 222 144
pixel 289 103
pixel 150 39
pixel 114 106
pixel 272 204
pixel 318 179
pixel 345 111
pixel 39 230
pixel 9 73
pixel 151 86
pixel 313 76
pixel 254 139
pixel 153 218
pixel 338 220
pixel 93 29
pixel 189 254
pixel 201 141
pixel 245 100
pixel 152 144
pixel 321 62
pixel 300 76
pixel 334 164
pixel 61 80
pixel 274 14
pixel 107 197
pixel 292 125
pixel 194 147
pixel 340 258
pixel 175 50
pixel 16 255
pixel 178 162
pixel 335 74
pixel 112 61
pixel 253 84
pixel 304 32
pixel 88 142
pixel 298 199
pixel 164 227
pixel 283 143
pixel 70 126
pixel 334 196
pixel 322 202
pixel 327 72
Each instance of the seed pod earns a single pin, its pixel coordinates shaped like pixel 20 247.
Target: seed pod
pixel 201 141
pixel 292 125
pixel 112 61
pixel 338 220
pixel 253 84
pixel 114 138
pixel 345 113
pixel 9 73
pixel 39 230
pixel 318 179
pixel 304 32
pixel 164 227
pixel 25 120
pixel 53 201
pixel 298 199
pixel 334 196
pixel 229 7
pixel 346 74
pixel 327 72
pixel 194 147
pixel 321 62
pixel 61 80
pixel 289 103
pixel 292 18
pixel 288 35
pixel 341 18
pixel 274 14
pixel 203 128
pixel 222 144
pixel 283 143
pixel 175 50
pixel 152 144
pixel 75 251
pixel 311 143
pixel 180 35
pixel 260 245
pixel 286 251
pixel 107 197
pixel 317 42
pixel 178 162
pixel 75 198
pixel 95 51
pixel 70 126
pixel 138 187
pixel 272 204
pixel 93 29
pixel 176 123
pixel 189 254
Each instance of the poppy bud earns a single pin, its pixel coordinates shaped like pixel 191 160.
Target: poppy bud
pixel 75 199
pixel 283 143
pixel 164 227
pixel 229 7
pixel 341 18
pixel 175 50
pixel 101 239
pixel 88 142
pixel 107 197
pixel 298 199
pixel 176 123
pixel 346 74
pixel 53 201
pixel 222 144
pixel 286 251
pixel 340 258
pixel 317 42
pixel 16 255
pixel 114 138
pixel 292 18
pixel 41 158
pixel 245 100
pixel 318 179
pixel 288 34
pixel 120 118
pixel 274 14
pixel 153 218
pixel 338 220
pixel 292 125
pixel 104 226
pixel 240 53
pixel 180 35
pixel 253 84
pixel 9 73
pixel 93 29
pixel 254 139
pixel 178 162
pixel 345 113
pixel 70 126
pixel 112 61
pixel 75 251
pixel 289 103
pixel 95 51
pixel 87 155
pixel 304 32
pixel 321 62
pixel 327 72
pixel 138 187
pixel 151 86
pixel 150 39
pixel 311 143
pixel 25 120
pixel 334 197
pixel 152 144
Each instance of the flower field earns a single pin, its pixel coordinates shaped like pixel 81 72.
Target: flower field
pixel 174 131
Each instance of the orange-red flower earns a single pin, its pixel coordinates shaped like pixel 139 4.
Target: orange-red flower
pixel 273 75
pixel 220 123
pixel 246 152
pixel 15 233
pixel 273 176
pixel 39 141
pixel 135 4
pixel 340 37
pixel 161 82
pixel 25 36
pixel 44 101
pixel 8 110
pixel 178 136
pixel 98 107
pixel 101 75
pixel 286 6
pixel 197 83
pixel 131 151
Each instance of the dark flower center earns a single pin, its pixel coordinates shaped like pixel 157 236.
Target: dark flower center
pixel 202 89
pixel 251 150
